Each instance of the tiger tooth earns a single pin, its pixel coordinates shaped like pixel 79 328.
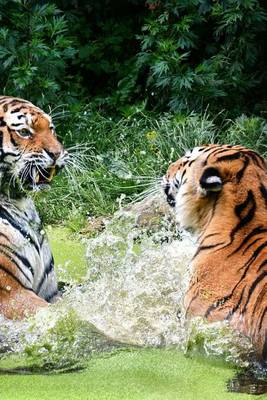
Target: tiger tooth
pixel 52 174
pixel 37 177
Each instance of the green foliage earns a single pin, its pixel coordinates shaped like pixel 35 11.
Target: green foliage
pixel 104 34
pixel 34 50
pixel 200 52
pixel 154 55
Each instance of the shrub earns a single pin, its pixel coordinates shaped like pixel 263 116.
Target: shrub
pixel 201 52
pixel 34 51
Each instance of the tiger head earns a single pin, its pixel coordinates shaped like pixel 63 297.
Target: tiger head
pixel 194 183
pixel 30 153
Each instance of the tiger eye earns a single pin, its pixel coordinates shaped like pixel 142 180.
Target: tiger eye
pixel 25 133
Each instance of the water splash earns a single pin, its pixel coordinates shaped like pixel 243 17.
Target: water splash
pixel 138 272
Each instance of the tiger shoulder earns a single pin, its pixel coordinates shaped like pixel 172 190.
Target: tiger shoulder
pixel 219 192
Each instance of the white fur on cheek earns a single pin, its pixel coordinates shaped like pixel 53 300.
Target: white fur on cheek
pixel 185 217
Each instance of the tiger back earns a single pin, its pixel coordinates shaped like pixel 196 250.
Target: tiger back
pixel 220 193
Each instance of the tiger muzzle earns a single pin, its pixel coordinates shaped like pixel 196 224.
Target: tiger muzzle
pixel 169 195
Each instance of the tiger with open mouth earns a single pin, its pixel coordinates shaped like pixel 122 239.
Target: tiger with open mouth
pixel 219 192
pixel 30 156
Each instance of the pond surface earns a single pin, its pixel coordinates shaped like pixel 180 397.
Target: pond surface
pixel 143 374
pixel 106 372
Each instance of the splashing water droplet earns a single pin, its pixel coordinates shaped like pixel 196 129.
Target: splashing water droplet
pixel 138 273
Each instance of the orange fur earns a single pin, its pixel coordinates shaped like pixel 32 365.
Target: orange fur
pixel 223 199
pixel 27 280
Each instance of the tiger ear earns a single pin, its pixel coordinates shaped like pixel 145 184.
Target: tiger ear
pixel 211 180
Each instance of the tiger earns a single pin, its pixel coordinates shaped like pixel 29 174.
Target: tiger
pixel 219 194
pixel 30 156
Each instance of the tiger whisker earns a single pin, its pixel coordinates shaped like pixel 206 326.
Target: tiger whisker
pixel 56 107
pixel 145 194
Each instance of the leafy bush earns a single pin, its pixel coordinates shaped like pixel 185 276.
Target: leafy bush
pixel 104 33
pixel 34 50
pixel 136 54
pixel 203 52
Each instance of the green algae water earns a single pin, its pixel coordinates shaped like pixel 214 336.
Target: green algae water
pixel 143 374
pixel 93 344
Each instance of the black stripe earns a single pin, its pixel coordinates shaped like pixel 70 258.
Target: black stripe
pixel 243 221
pixel 10 258
pixel 19 257
pixel 4 101
pixel 230 157
pixel 262 265
pixel 16 110
pixel 251 244
pixel 218 303
pixel 210 246
pixel 240 173
pixel 231 312
pixel 47 270
pixel 257 159
pixel 263 191
pixel 5 236
pixel 182 176
pixel 18 101
pixel 176 183
pixel 2 268
pixel 20 123
pixel 12 140
pixel 2 122
pixel 10 153
pixel 223 300
pixel 253 287
pixel 256 253
pixel 209 149
pixel 5 215
pixel 214 152
pixel 261 319
pixel 256 231
pixel 259 298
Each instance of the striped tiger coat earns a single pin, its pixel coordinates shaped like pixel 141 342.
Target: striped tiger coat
pixel 220 193
pixel 30 155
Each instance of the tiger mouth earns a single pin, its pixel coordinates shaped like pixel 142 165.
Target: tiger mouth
pixel 169 196
pixel 38 178
pixel 45 175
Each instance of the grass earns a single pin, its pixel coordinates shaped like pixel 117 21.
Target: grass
pixel 121 158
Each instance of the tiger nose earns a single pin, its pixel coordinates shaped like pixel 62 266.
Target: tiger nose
pixel 54 155
pixel 170 197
